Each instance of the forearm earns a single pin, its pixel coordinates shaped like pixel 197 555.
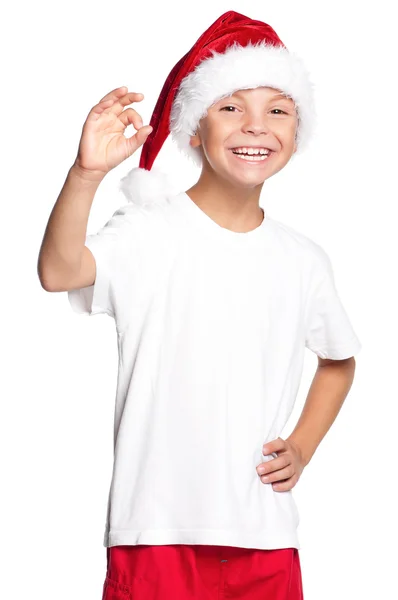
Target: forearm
pixel 327 392
pixel 63 241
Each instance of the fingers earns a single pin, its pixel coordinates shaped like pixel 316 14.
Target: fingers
pixel 282 472
pixel 278 475
pixel 114 94
pixel 118 104
pixel 106 102
pixel 139 138
pixel 272 465
pixel 130 116
pixel 115 101
pixel 286 485
pixel 276 445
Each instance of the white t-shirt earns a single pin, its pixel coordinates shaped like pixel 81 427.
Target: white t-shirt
pixel 212 327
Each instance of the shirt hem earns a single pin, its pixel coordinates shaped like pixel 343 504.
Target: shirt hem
pixel 264 540
pixel 341 352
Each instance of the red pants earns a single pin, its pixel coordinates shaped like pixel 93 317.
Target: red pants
pixel 201 572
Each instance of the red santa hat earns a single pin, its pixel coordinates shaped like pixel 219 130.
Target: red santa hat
pixel 235 53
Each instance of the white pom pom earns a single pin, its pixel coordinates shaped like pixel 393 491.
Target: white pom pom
pixel 141 186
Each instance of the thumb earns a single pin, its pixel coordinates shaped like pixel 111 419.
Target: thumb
pixel 139 138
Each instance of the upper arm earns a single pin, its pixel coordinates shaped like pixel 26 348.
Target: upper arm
pixel 322 362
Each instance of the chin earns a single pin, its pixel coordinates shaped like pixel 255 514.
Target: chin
pixel 245 184
pixel 249 180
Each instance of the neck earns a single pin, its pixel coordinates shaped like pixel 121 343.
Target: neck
pixel 231 207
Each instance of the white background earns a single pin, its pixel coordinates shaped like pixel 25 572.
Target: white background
pixel 59 369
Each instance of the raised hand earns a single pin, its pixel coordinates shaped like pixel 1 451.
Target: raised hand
pixel 103 145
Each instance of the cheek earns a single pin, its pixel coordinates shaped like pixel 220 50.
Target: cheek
pixel 218 140
pixel 213 145
pixel 286 135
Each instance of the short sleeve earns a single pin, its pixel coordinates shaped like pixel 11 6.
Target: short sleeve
pixel 329 332
pixel 112 248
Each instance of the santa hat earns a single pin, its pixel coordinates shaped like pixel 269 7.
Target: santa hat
pixel 235 53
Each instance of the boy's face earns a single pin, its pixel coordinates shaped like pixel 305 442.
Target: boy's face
pixel 260 117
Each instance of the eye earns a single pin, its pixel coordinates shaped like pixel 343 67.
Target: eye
pixel 234 107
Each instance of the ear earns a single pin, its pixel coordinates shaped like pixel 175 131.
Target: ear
pixel 195 140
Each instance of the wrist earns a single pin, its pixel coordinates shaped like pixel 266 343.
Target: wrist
pixel 304 455
pixel 85 176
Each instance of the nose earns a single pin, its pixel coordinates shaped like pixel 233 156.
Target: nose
pixel 255 125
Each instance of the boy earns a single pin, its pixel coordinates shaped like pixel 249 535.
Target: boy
pixel 214 303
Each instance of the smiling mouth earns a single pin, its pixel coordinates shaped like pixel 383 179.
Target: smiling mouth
pixel 252 157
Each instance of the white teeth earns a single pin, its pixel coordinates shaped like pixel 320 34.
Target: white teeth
pixel 252 158
pixel 250 151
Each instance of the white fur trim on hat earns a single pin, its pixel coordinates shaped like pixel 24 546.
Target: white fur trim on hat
pixel 238 68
